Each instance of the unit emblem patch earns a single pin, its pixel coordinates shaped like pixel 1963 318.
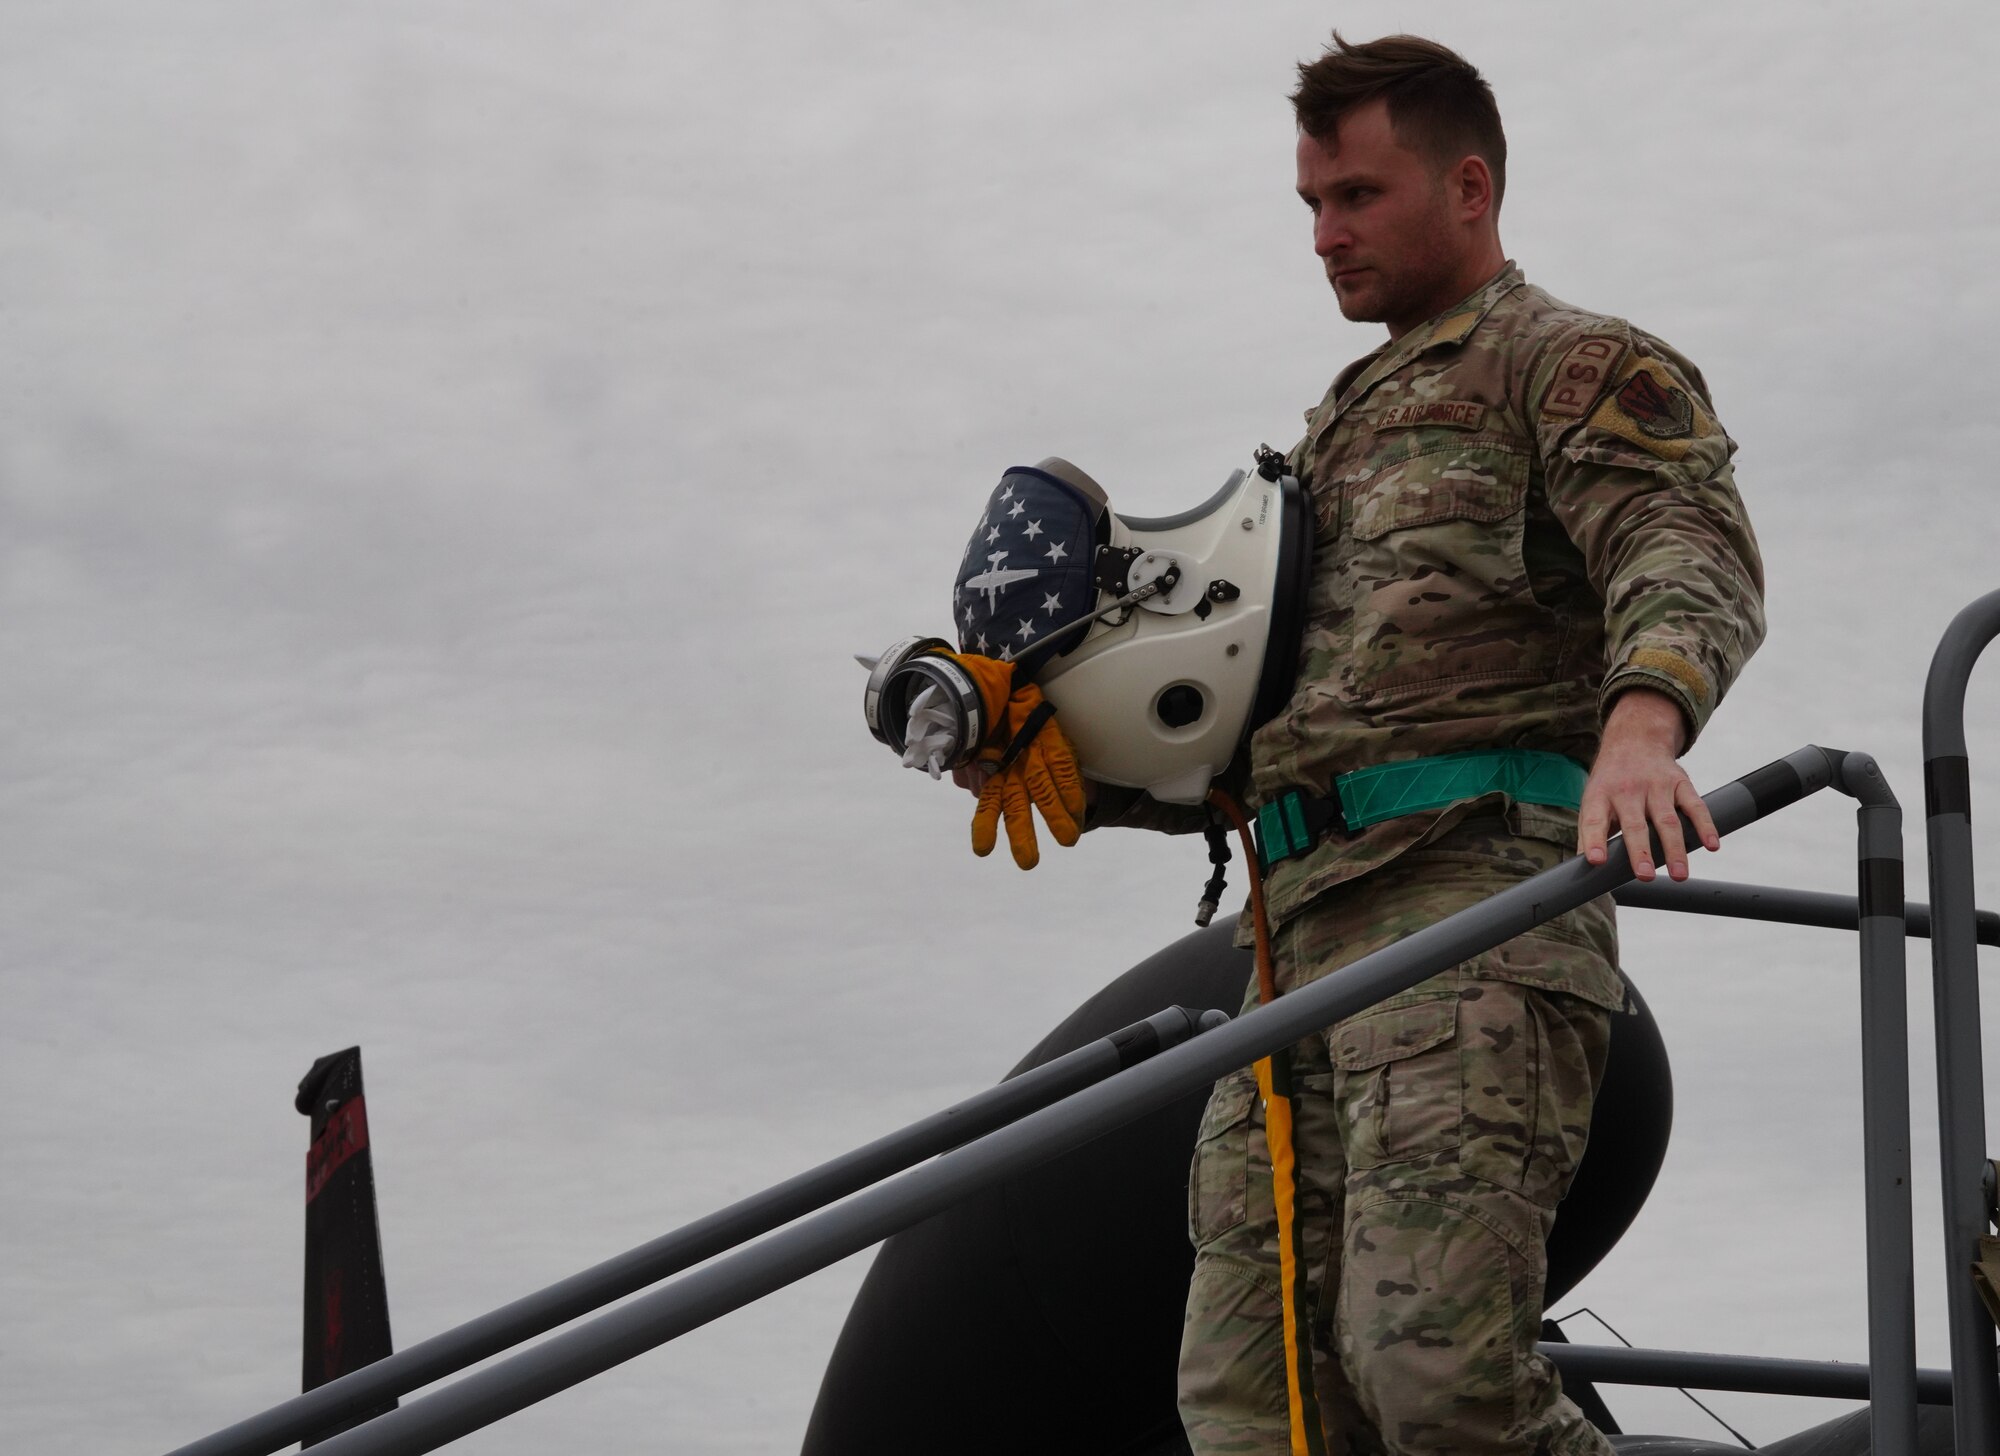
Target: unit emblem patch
pixel 1663 411
pixel 1650 407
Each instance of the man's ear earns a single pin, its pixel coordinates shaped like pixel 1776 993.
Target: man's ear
pixel 1472 188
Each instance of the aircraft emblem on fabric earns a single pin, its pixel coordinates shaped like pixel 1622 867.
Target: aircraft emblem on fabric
pixel 1026 568
pixel 990 581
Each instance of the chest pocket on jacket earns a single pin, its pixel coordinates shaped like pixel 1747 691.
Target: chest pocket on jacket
pixel 1426 592
pixel 1483 485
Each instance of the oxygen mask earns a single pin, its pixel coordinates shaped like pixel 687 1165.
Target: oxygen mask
pixel 923 705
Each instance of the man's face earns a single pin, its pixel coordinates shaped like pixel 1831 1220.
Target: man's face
pixel 1382 222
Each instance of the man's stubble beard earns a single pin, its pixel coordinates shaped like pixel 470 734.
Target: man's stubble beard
pixel 1421 286
pixel 1411 294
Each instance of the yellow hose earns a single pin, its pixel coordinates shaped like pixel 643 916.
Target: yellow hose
pixel 1274 1084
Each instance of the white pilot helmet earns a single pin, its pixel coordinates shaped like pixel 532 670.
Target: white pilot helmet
pixel 1161 642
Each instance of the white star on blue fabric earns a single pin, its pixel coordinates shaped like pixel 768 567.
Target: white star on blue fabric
pixel 1052 603
pixel 1056 552
pixel 980 642
pixel 1019 510
pixel 968 614
pixel 1027 629
pixel 992 535
pixel 1006 654
pixel 1007 492
pixel 1034 529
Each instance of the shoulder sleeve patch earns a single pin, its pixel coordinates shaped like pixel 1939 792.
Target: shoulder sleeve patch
pixel 1582 375
pixel 1650 408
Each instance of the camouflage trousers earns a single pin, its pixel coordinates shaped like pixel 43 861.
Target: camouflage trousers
pixel 1435 1134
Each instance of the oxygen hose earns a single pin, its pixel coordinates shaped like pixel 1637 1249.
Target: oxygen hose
pixel 1274 1084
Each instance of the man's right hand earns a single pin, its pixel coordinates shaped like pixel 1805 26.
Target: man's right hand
pixel 1637 785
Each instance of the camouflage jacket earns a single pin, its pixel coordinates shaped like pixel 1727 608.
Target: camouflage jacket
pixel 1522 510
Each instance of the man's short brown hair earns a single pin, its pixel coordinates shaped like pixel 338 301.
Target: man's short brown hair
pixel 1439 104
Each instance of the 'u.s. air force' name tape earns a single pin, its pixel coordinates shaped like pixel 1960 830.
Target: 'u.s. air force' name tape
pixel 1459 414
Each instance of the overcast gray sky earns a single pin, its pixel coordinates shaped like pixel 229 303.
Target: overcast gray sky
pixel 448 453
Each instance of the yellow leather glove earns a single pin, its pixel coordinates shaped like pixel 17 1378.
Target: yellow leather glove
pixel 1032 763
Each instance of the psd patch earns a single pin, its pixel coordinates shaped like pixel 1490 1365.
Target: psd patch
pixel 1457 414
pixel 1582 375
pixel 1652 409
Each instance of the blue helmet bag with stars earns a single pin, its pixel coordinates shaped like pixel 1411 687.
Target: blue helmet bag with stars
pixel 1028 567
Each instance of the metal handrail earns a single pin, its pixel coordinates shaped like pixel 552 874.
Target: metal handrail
pixel 376 1385
pixel 1961 1079
pixel 1761 1374
pixel 791 1253
pixel 1782 906
pixel 1885 1110
pixel 1878 912
pixel 464 1345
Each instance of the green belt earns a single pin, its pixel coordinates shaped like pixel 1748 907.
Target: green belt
pixel 1293 822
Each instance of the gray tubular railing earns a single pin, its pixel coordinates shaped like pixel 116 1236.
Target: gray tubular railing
pixel 376 1385
pixel 1883 919
pixel 867 1218
pixel 1885 1108
pixel 1878 912
pixel 1781 906
pixel 1832 1379
pixel 1955 997
pixel 1880 916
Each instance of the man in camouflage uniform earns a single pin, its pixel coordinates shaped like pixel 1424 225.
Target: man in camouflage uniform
pixel 1528 538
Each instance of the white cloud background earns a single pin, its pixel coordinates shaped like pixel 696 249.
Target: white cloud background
pixel 449 452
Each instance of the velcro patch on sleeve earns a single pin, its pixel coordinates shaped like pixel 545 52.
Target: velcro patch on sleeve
pixel 1650 408
pixel 1582 375
pixel 1455 329
pixel 1457 414
pixel 1673 665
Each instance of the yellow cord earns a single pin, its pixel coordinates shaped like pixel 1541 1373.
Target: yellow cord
pixel 1274 1083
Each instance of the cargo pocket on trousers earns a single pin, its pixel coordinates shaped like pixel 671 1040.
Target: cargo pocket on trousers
pixel 1218 1179
pixel 1397 1079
